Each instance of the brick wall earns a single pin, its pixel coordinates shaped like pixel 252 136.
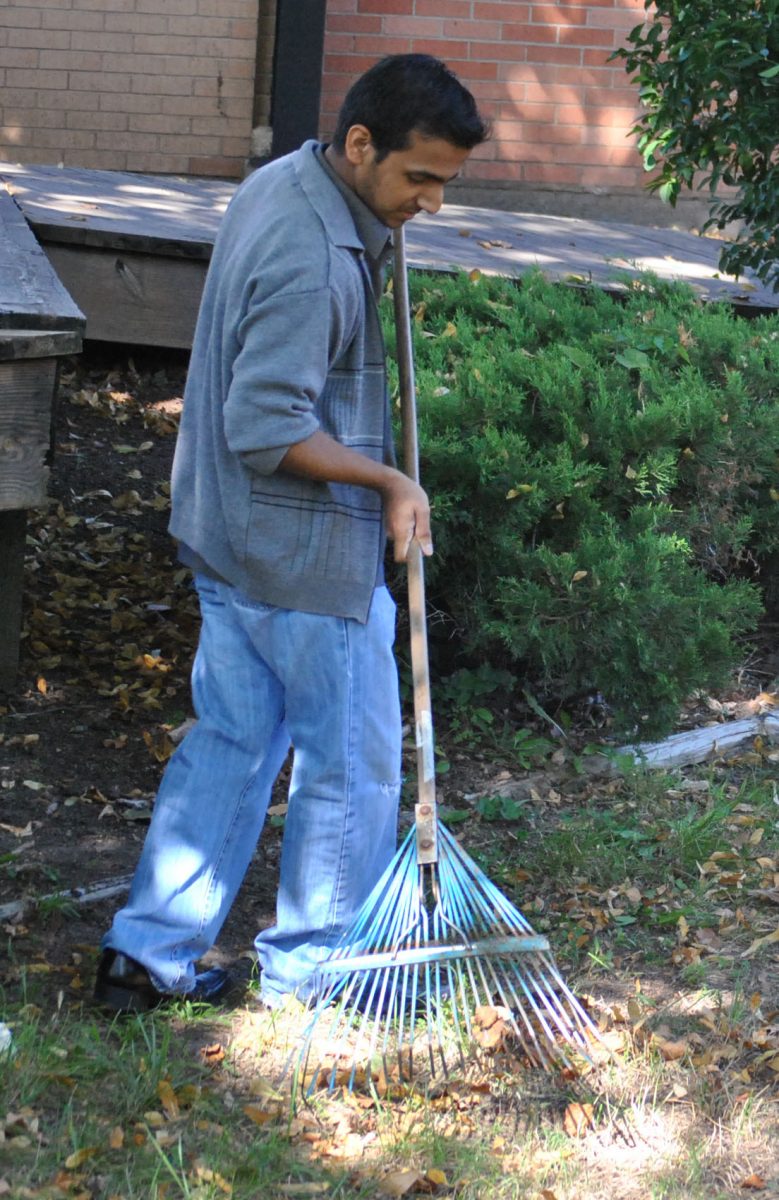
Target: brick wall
pixel 138 85
pixel 560 111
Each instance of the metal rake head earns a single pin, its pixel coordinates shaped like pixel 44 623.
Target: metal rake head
pixel 437 967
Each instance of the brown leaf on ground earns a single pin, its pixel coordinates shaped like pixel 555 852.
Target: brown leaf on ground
pixel 400 1183
pixel 578 1119
pixel 212 1055
pixel 490 1026
pixel 753 1181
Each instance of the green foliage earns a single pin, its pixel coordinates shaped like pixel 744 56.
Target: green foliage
pixel 708 73
pixel 604 476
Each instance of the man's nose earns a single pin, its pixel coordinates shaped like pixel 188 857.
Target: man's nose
pixel 431 199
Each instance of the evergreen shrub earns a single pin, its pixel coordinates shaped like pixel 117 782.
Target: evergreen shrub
pixel 604 478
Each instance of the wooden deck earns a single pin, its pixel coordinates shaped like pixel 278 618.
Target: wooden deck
pixel 132 249
pixel 38 323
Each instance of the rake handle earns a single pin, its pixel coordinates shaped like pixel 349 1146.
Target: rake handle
pixel 425 811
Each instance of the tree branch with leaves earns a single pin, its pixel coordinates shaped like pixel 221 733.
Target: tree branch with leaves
pixel 708 74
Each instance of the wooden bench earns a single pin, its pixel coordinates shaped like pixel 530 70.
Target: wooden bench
pixel 39 322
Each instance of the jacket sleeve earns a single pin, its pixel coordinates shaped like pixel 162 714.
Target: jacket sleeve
pixel 288 343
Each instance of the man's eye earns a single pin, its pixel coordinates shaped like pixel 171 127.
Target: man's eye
pixel 416 178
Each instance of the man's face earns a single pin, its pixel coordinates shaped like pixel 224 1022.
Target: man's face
pixel 408 181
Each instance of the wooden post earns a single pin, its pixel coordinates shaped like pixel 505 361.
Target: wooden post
pixel 13 528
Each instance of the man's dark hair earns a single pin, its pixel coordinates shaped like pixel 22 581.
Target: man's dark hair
pixel 406 92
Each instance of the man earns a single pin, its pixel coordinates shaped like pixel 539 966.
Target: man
pixel 284 491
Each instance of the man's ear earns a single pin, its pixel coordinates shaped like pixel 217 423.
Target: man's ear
pixel 358 144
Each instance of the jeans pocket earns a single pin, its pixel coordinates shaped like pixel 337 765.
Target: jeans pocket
pixel 209 591
pixel 241 600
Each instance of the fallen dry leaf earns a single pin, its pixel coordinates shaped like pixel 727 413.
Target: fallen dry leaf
pixel 399 1183
pixel 212 1055
pixel 760 942
pixel 754 1181
pixel 578 1119
pixel 262 1116
pixel 79 1157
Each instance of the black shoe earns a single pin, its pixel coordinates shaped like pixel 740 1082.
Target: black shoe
pixel 123 985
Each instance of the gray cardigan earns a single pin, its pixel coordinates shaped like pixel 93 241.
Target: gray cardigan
pixel 288 341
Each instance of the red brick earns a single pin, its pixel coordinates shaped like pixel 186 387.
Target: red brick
pixel 339 43
pixel 614 18
pixel 485 151
pixel 507 131
pixel 554 54
pixel 529 33
pixel 587 76
pixel 488 31
pixel 415 27
pixel 495 170
pixel 615 176
pixel 450 52
pixel 560 135
pixel 551 173
pixel 595 58
pixel 576 35
pixel 548 14
pixel 385 6
pixel 453 8
pixel 499 52
pixel 351 65
pixel 489 10
pixel 539 93
pixel 535 113
pixel 475 70
pixel 625 96
pixel 353 23
pixel 369 43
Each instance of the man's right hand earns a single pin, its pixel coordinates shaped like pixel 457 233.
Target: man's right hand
pixel 406 506
pixel 406 515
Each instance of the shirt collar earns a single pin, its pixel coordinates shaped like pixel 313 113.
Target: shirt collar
pixel 373 233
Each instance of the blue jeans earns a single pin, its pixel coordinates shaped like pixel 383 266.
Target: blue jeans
pixel 265 678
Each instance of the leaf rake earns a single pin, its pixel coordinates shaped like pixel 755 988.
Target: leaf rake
pixel 437 964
